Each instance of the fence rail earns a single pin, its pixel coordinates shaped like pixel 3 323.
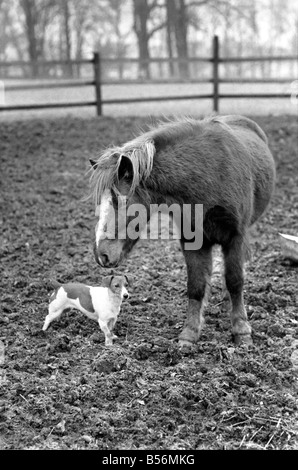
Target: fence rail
pixel 36 86
pixel 98 66
pixel 41 63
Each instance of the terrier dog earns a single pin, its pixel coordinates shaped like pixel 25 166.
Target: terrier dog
pixel 101 304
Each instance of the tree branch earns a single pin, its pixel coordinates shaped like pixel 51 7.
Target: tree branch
pixel 216 5
pixel 196 3
pixel 195 23
pixel 154 5
pixel 157 28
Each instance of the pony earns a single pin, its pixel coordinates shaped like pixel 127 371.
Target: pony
pixel 223 164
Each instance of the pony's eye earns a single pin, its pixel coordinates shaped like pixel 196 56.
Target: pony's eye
pixel 116 285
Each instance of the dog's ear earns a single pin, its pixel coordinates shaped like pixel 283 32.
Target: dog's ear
pixel 128 280
pixel 93 164
pixel 53 284
pixel 106 282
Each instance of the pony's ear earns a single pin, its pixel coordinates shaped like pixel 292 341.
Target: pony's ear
pixel 93 164
pixel 106 282
pixel 125 169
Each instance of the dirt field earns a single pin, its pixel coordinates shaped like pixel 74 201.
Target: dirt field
pixel 63 389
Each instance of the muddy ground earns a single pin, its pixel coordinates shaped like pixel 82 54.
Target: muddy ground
pixel 64 389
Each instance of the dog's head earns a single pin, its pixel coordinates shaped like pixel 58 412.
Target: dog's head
pixel 52 284
pixel 117 284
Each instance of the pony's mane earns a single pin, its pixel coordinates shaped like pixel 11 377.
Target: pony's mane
pixel 140 151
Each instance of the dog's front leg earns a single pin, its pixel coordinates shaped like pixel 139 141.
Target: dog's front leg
pixel 111 324
pixel 52 315
pixel 106 331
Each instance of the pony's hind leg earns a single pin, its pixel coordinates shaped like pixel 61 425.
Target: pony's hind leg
pixel 199 268
pixel 234 255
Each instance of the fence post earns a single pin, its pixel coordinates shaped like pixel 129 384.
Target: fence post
pixel 97 82
pixel 215 73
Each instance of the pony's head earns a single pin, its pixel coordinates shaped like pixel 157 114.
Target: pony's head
pixel 118 183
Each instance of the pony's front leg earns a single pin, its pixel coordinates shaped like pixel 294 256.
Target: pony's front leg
pixel 199 268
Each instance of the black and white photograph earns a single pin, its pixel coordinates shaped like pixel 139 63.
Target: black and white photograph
pixel 149 227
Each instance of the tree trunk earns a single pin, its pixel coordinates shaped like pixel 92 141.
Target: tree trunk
pixel 79 55
pixel 181 25
pixel 170 32
pixel 255 30
pixel 141 14
pixel 119 40
pixel 66 17
pixel 30 20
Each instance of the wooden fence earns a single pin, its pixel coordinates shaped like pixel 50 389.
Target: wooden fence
pixel 98 65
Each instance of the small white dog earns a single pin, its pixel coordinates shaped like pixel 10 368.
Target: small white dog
pixel 101 304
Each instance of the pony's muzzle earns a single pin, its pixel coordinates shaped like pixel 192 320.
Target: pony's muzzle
pixel 97 257
pixel 101 258
pixel 104 259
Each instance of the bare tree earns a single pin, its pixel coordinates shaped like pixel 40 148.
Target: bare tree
pixel 142 14
pixel 115 17
pixel 37 16
pixel 180 15
pixel 11 35
pixel 170 35
pixel 41 29
pixel 65 10
pixel 5 33
pixel 30 12
pixel 180 19
pixel 82 23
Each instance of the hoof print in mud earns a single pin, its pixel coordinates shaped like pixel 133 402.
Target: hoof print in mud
pixel 62 344
pixel 143 351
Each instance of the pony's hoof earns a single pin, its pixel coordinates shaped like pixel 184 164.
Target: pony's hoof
pixel 243 339
pixel 185 344
pixel 188 337
pixel 187 348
